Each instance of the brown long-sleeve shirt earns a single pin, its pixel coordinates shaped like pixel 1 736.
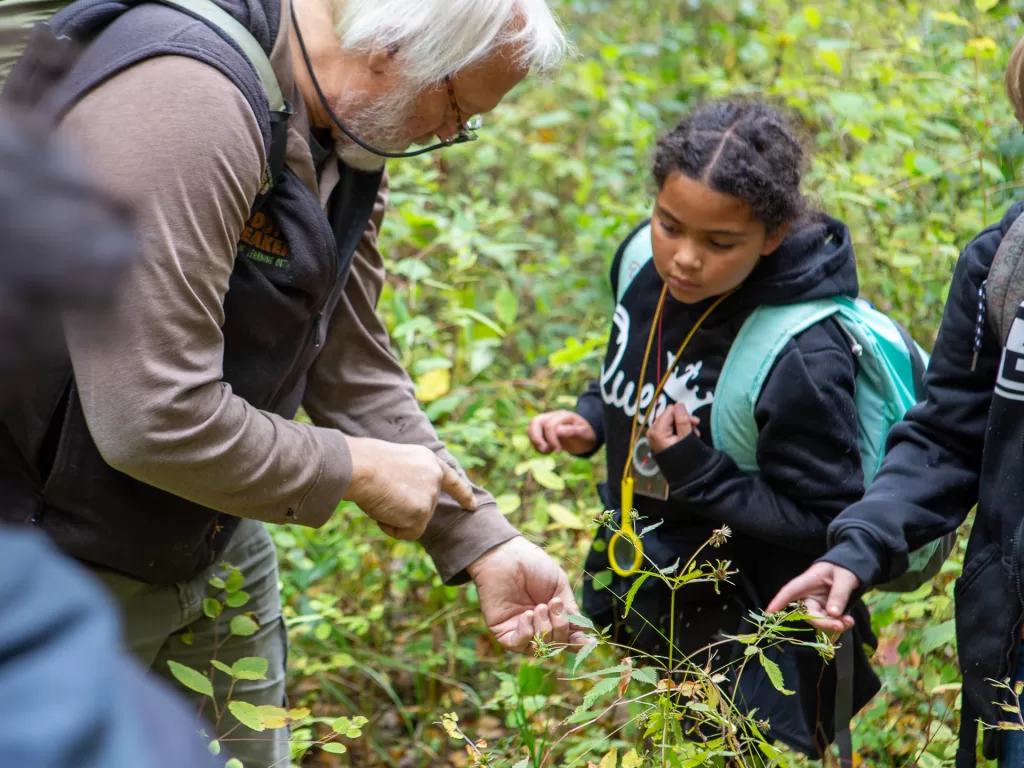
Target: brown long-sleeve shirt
pixel 175 137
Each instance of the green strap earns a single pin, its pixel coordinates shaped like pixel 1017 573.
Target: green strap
pixel 750 360
pixel 230 26
pixel 638 251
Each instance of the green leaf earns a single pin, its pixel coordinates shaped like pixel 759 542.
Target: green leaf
pixel 216 582
pixel 334 748
pixel 565 517
pixel 244 625
pixel 645 675
pixel 601 687
pixel 214 747
pixel 234 762
pixel 813 16
pixel 950 18
pixel 585 651
pixel 580 621
pixel 639 582
pixel 985 5
pixel 187 637
pixel 524 763
pixel 237 599
pixel 250 668
pixel 548 478
pixel 774 674
pixel 831 59
pixel 506 306
pixel 211 608
pixel 602 579
pixel 247 714
pixel 531 680
pixel 941 635
pixel 234 581
pixel 222 667
pixel 194 681
pixel 509 503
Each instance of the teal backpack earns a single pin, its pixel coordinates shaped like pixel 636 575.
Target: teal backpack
pixel 889 382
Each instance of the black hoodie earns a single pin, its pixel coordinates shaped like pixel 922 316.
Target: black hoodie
pixel 807 452
pixel 960 447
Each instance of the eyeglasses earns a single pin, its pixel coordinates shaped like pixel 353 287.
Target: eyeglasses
pixel 467 128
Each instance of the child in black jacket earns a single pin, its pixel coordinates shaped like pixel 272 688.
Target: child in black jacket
pixel 729 233
pixel 961 447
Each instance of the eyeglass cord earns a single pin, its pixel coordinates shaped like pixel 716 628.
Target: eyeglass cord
pixel 341 126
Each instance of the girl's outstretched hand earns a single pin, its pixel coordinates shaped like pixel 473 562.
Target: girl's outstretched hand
pixel 673 425
pixel 825 589
pixel 562 431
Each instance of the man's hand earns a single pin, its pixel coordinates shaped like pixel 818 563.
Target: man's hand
pixel 826 590
pixel 673 425
pixel 524 593
pixel 562 431
pixel 399 485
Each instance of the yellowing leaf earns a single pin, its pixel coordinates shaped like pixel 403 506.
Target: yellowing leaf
pixel 982 47
pixel 950 18
pixel 632 760
pixel 610 760
pixel 985 5
pixel 831 59
pixel 865 180
pixel 433 384
pixel 247 714
pixel 565 517
pixel 813 18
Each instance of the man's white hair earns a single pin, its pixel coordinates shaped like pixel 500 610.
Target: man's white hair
pixel 437 38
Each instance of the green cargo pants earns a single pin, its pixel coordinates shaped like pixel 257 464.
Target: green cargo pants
pixel 157 620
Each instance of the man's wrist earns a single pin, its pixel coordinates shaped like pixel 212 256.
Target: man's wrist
pixel 481 562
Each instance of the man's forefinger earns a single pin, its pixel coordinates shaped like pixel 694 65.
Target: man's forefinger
pixel 457 487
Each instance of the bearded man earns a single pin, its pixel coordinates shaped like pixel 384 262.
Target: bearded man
pixel 251 137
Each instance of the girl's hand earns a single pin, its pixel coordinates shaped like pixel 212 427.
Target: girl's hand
pixel 562 431
pixel 673 425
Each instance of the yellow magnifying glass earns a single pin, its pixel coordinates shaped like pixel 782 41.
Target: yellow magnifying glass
pixel 625 550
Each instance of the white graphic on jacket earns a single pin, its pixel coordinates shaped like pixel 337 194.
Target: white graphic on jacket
pixel 619 393
pixel 1010 382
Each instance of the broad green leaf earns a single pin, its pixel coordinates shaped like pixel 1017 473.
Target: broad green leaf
pixel 602 579
pixel 222 667
pixel 234 762
pixel 506 306
pixel 191 679
pixel 243 625
pixel 509 503
pixel 235 580
pixel 212 608
pixel 831 59
pixel 334 748
pixel 584 652
pixel 985 5
pixel 237 599
pixel 214 747
pixel 946 17
pixel 250 668
pixel 813 17
pixel 433 385
pixel 247 714
pixel 565 517
pixel 548 479
pixel 938 636
pixel 216 582
pixel 631 595
pixel 774 674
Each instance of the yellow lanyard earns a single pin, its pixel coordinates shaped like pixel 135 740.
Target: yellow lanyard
pixel 627 481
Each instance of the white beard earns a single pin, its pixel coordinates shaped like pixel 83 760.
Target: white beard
pixel 383 125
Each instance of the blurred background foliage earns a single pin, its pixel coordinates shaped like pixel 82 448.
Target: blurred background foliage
pixel 499 307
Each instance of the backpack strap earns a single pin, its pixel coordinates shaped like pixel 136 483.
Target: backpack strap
pixel 636 253
pixel 751 358
pixel 1004 287
pixel 280 110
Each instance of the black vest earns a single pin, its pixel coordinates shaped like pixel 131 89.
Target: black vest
pixel 290 270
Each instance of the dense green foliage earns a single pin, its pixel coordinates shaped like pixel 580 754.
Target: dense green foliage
pixel 499 306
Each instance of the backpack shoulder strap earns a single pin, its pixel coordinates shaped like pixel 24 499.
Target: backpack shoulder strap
pixel 634 255
pixel 751 358
pixel 1004 287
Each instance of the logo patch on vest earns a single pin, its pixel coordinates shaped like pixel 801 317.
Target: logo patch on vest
pixel 1010 382
pixel 263 241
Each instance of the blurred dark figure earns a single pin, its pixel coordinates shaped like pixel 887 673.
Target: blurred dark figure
pixel 70 697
